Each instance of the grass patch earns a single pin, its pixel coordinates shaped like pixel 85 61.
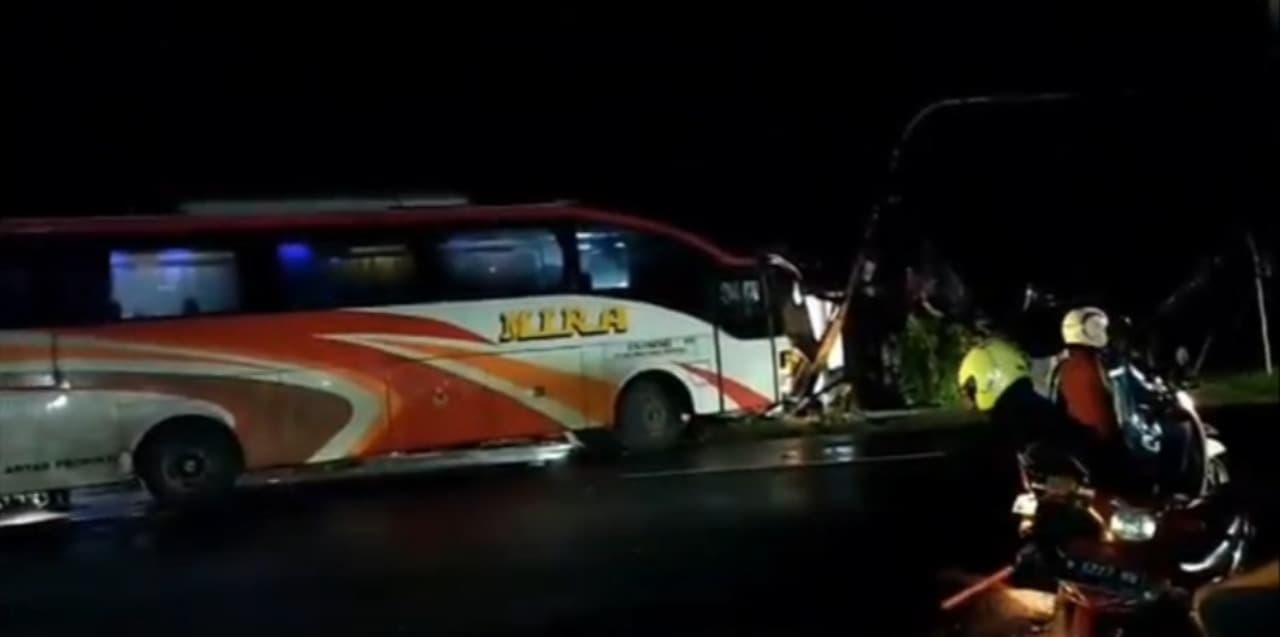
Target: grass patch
pixel 1239 389
pixel 1235 389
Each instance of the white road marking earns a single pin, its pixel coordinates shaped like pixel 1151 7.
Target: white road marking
pixel 768 466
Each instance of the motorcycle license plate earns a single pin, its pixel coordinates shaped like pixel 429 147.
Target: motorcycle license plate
pixel 1102 574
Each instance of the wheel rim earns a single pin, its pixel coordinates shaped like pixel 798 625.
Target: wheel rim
pixel 186 468
pixel 654 416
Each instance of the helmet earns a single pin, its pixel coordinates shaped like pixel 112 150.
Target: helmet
pixel 1085 326
pixel 990 368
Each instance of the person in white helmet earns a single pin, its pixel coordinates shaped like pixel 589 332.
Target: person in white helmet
pixel 1082 385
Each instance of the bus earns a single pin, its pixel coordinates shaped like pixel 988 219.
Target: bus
pixel 187 350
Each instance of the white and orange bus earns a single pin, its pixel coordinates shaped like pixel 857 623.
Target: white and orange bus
pixel 187 349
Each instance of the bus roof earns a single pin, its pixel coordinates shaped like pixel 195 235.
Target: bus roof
pixel 150 225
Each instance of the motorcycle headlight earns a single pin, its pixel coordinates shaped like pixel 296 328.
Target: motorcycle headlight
pixel 1132 525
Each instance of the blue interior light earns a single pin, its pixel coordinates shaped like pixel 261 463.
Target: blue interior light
pixel 294 254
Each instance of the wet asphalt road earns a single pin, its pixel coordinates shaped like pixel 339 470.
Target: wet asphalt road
pixel 751 538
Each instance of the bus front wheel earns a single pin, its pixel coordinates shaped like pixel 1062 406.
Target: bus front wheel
pixel 651 415
pixel 188 463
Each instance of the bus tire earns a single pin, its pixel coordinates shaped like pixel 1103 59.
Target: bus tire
pixel 651 414
pixel 188 462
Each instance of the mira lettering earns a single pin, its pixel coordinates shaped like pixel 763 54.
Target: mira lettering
pixel 547 323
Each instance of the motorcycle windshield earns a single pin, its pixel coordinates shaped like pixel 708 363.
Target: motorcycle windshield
pixel 1164 441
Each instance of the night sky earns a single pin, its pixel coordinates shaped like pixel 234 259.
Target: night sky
pixel 700 117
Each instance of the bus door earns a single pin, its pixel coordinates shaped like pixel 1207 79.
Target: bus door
pixel 26 352
pixel 796 332
pixel 29 397
pixel 748 351
pixel 51 435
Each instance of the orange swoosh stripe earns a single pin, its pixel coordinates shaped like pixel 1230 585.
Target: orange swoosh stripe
pixel 593 398
pixel 745 397
pixel 23 353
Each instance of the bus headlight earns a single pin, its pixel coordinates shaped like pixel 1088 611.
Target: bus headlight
pixel 1132 525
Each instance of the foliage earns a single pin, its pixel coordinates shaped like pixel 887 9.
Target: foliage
pixel 1242 388
pixel 928 356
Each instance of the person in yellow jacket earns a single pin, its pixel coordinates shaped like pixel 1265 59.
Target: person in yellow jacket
pixel 995 378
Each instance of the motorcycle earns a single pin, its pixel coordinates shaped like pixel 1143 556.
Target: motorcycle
pixel 1120 557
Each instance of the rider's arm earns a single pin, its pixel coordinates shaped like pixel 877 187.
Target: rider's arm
pixel 1024 416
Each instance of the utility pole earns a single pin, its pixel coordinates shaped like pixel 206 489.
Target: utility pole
pixel 1262 300
pixel 1273 19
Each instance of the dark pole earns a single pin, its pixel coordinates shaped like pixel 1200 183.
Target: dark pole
pixel 1260 289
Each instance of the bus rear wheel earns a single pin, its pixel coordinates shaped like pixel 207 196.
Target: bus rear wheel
pixel 651 416
pixel 188 464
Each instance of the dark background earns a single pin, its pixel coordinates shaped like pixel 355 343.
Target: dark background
pixel 762 128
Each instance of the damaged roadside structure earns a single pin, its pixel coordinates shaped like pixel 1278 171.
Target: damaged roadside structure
pixel 1003 212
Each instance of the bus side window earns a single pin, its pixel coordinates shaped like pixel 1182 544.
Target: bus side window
pixel 497 263
pixel 173 281
pixel 329 274
pixel 604 259
pixel 75 286
pixel 655 269
pixel 742 312
pixel 47 284
pixel 18 287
